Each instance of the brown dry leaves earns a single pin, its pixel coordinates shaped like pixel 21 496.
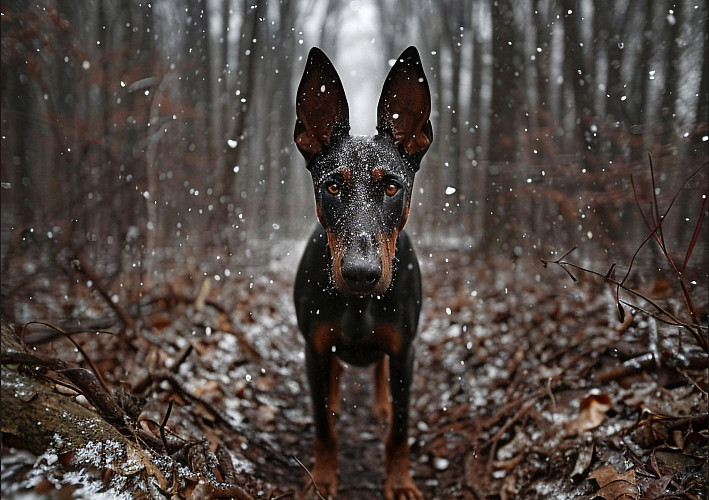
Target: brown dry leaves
pixel 592 413
pixel 614 485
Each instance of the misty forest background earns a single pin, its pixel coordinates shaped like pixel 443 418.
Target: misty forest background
pixel 129 128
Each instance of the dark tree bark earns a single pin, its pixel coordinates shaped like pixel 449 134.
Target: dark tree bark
pixel 578 77
pixel 504 143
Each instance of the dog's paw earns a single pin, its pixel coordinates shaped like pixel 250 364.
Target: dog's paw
pixel 322 482
pixel 401 487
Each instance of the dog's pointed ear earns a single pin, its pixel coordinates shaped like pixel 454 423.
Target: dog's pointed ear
pixel 321 106
pixel 405 105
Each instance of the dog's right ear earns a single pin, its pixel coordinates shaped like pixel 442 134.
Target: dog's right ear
pixel 405 105
pixel 320 105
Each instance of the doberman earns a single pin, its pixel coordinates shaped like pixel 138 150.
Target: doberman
pixel 358 286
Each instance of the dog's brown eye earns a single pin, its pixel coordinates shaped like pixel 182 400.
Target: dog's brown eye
pixel 333 189
pixel 391 189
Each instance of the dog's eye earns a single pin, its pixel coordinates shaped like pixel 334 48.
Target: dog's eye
pixel 391 189
pixel 333 189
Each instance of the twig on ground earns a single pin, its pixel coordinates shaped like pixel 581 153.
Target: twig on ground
pixel 163 424
pixel 521 412
pixel 312 479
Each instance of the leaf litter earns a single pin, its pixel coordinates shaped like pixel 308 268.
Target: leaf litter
pixel 527 385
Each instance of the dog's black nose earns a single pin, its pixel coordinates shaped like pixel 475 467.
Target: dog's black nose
pixel 361 274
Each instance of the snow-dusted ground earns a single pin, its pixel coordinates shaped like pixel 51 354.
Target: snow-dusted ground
pixel 525 385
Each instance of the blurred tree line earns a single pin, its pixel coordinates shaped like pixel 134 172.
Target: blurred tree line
pixel 131 126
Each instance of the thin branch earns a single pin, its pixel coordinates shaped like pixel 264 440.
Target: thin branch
pixel 697 330
pixel 94 369
pixel 695 235
pixel 163 424
pixel 312 479
pixel 654 223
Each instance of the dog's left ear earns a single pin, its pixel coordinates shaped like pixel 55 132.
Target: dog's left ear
pixel 405 105
pixel 321 106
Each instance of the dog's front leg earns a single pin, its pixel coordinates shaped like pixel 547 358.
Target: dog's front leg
pixel 324 383
pixel 398 484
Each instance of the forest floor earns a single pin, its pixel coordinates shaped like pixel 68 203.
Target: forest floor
pixel 527 385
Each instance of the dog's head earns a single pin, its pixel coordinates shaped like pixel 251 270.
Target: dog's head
pixel 363 185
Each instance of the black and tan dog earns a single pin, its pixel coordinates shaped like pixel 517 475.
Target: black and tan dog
pixel 358 287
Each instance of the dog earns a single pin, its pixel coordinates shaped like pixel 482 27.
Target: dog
pixel 358 286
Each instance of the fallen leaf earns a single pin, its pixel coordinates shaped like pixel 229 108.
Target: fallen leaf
pixel 671 460
pixel 583 462
pixel 614 485
pixel 592 413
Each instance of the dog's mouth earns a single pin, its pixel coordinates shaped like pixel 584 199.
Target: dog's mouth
pixel 362 265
